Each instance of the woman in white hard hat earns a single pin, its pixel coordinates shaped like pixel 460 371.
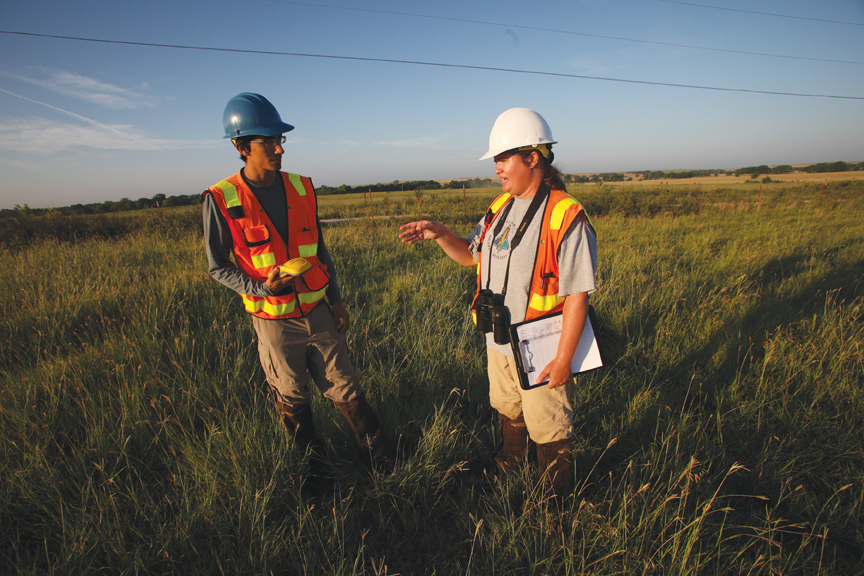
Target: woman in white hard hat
pixel 537 253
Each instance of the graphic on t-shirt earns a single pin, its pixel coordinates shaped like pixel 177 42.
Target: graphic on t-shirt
pixel 503 243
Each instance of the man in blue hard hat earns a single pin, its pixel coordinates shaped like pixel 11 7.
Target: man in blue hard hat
pixel 264 217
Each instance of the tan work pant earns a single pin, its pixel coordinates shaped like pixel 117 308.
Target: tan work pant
pixel 291 349
pixel 548 413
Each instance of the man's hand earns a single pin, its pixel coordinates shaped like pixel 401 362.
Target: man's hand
pixel 278 284
pixel 343 319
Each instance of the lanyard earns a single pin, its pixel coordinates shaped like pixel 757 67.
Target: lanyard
pixel 541 194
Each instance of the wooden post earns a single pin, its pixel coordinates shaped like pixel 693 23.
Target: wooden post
pixel 371 208
pixel 822 196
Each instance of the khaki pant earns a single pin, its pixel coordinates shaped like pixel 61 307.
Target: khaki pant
pixel 548 413
pixel 291 349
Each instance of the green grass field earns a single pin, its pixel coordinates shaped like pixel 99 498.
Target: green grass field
pixel 725 436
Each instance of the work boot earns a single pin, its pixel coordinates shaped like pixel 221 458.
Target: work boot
pixel 513 446
pixel 297 421
pixel 555 467
pixel 367 431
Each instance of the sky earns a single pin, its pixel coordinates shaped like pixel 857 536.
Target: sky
pixel 384 90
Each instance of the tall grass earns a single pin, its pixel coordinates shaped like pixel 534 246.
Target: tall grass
pixel 723 437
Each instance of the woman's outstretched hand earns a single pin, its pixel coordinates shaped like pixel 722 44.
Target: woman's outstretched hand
pixel 419 230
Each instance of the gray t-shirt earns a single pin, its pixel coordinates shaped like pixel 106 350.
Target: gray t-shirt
pixel 577 260
pixel 218 242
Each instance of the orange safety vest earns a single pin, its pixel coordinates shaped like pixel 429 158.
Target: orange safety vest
pixel 258 248
pixel 561 211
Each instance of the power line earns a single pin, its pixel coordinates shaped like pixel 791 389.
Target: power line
pixel 762 13
pixel 570 32
pixel 436 64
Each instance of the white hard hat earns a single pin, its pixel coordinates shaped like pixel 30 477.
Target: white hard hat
pixel 516 128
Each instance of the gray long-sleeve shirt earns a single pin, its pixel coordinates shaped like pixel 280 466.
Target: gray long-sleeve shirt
pixel 219 244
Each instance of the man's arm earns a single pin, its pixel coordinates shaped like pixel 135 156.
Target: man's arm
pixel 218 245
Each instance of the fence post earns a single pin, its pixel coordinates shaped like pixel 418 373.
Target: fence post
pixel 822 196
pixel 464 203
pixel 371 208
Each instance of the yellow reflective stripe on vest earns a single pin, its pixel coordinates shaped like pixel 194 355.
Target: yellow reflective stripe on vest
pixel 264 260
pixel 312 297
pixel 297 182
pixel 273 309
pixel 253 306
pixel 558 213
pixel 545 303
pixel 308 250
pixel 229 193
pixel 500 202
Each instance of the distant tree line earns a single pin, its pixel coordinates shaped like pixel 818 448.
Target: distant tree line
pixel 833 167
pixel 819 168
pixel 763 169
pixel 163 201
pixel 122 205
pixel 394 186
pixel 473 183
pixel 397 186
pixel 678 174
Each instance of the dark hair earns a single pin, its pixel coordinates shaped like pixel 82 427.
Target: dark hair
pixel 551 176
pixel 244 142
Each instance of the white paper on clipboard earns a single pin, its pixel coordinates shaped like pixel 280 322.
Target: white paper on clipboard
pixel 537 343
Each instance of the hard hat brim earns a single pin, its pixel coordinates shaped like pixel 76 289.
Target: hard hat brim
pixel 494 152
pixel 269 131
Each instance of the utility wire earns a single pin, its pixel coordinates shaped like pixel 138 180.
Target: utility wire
pixel 436 64
pixel 572 33
pixel 762 13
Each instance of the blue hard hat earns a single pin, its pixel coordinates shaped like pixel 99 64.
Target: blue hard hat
pixel 249 114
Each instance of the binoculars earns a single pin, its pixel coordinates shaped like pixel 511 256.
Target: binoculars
pixel 492 317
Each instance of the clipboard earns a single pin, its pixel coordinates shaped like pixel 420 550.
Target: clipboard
pixel 535 344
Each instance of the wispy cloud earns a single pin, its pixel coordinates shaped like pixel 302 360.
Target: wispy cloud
pixel 36 134
pixel 39 135
pixel 88 89
pixel 105 127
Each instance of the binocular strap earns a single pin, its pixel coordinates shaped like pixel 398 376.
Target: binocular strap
pixel 539 197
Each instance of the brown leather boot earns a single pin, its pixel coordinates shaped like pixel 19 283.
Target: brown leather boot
pixel 514 444
pixel 555 467
pixel 297 421
pixel 367 431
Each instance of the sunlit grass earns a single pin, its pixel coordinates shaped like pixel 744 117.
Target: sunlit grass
pixel 724 436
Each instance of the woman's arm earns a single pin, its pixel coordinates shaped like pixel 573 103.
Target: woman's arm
pixel 573 321
pixel 454 246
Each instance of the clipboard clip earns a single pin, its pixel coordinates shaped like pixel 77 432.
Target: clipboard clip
pixel 526 356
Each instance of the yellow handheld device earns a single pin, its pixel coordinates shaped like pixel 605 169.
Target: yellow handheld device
pixel 294 267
